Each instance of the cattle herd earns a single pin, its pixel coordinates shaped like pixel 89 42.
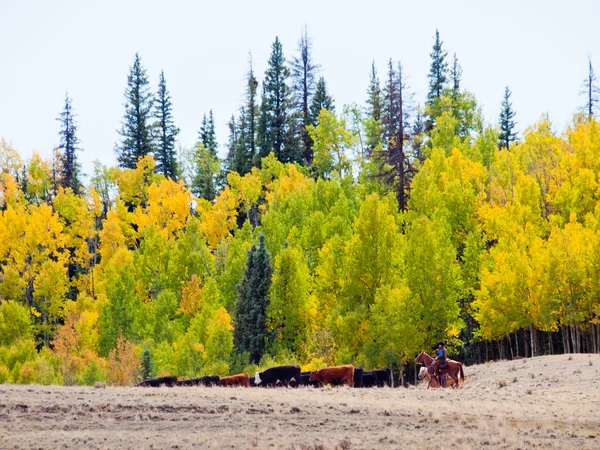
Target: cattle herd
pixel 288 376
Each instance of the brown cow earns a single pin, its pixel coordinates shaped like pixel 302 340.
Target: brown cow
pixel 337 374
pixel 242 379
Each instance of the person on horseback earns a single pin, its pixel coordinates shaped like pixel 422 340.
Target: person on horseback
pixel 440 363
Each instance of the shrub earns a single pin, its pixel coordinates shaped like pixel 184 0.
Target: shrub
pixel 123 364
pixel 4 374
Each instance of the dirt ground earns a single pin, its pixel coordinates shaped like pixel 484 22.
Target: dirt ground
pixel 547 402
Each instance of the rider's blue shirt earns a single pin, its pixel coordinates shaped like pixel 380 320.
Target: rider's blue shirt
pixel 440 353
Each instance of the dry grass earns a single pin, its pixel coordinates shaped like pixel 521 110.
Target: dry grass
pixel 549 407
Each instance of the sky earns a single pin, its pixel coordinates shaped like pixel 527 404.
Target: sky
pixel 48 48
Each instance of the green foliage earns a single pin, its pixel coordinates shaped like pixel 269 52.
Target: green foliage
pixel 166 132
pixel 15 323
pixel 147 364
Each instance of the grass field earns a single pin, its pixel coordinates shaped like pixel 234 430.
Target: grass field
pixel 546 402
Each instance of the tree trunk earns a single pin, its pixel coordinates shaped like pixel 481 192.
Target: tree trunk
pixel 532 340
pixel 517 342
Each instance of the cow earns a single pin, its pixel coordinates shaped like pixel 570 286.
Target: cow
pixel 280 374
pixel 384 377
pixel 305 380
pixel 202 381
pixel 358 374
pixel 241 379
pixel 169 381
pixel 369 379
pixel 330 375
pixel 252 381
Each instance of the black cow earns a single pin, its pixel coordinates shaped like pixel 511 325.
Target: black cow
pixel 252 381
pixel 305 380
pixel 158 382
pixel 369 379
pixel 384 377
pixel 280 374
pixel 202 381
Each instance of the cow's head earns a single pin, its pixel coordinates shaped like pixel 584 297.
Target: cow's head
pixel 257 379
pixel 314 376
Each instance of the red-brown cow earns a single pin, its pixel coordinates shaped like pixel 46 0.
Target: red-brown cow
pixel 337 374
pixel 242 379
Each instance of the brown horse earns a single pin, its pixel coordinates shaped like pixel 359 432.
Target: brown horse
pixel 432 381
pixel 455 369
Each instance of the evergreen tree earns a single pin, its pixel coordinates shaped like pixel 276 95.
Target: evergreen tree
pixel 206 173
pixel 455 76
pixel 251 332
pixel 590 90
pixel 208 136
pixel 166 132
pixel 276 131
pixel 438 76
pixel 136 126
pixel 321 100
pixel 507 123
pixel 395 165
pixel 69 146
pixel 303 78
pixel 147 365
pixel 374 95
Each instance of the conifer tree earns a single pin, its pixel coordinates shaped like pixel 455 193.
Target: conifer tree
pixel 69 146
pixel 303 77
pixel 438 75
pixel 395 165
pixel 136 127
pixel 251 332
pixel 276 131
pixel 237 159
pixel 206 173
pixel 321 100
pixel 590 90
pixel 166 132
pixel 374 95
pixel 507 123
pixel 455 76
pixel 208 136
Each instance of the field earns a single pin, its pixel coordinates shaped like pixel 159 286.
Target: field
pixel 546 402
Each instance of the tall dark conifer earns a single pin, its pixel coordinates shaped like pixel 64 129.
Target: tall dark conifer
pixel 374 95
pixel 590 90
pixel 303 77
pixel 208 135
pixel 69 146
pixel 395 165
pixel 250 331
pixel 165 131
pixel 321 99
pixel 136 126
pixel 277 126
pixel 438 75
pixel 508 133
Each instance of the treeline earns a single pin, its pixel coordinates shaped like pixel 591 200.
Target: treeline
pixel 361 237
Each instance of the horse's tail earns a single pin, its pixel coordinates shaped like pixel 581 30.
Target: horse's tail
pixel 462 373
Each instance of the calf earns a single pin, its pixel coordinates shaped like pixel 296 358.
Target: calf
pixel 241 379
pixel 305 380
pixel 158 382
pixel 280 374
pixel 331 375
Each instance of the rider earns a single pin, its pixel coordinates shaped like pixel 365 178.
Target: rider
pixel 440 361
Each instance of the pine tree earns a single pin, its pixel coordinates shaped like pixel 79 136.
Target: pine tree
pixel 208 136
pixel 321 100
pixel 166 132
pixel 374 95
pixel 147 365
pixel 206 173
pixel 507 124
pixel 395 165
pixel 455 76
pixel 303 77
pixel 438 75
pixel 276 131
pixel 69 146
pixel 251 332
pixel 590 90
pixel 136 126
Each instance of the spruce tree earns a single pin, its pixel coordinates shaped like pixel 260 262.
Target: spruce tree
pixel 237 160
pixel 395 167
pixel 590 90
pixel 374 95
pixel 277 126
pixel 321 99
pixel 166 132
pixel 69 146
pixel 208 136
pixel 136 127
pixel 438 76
pixel 147 365
pixel 455 76
pixel 507 123
pixel 206 173
pixel 251 332
pixel 303 78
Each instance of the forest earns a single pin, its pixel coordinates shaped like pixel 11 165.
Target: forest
pixel 329 234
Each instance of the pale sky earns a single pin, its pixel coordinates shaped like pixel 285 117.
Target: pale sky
pixel 538 48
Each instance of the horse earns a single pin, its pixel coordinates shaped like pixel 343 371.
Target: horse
pixel 432 380
pixel 454 369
